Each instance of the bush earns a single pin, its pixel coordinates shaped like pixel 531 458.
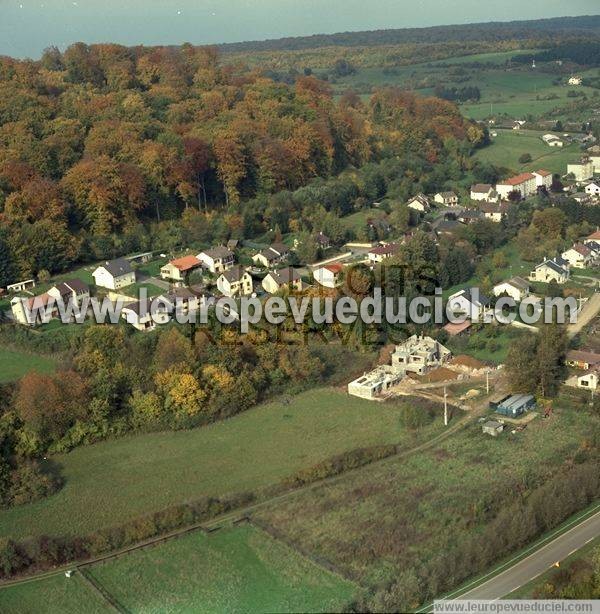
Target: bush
pixel 525 158
pixel 30 483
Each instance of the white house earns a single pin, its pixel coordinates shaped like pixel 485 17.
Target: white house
pixel 494 212
pixel 524 184
pixel 148 314
pixel 484 191
pixel 72 289
pixel 33 310
pixel 593 189
pixel 114 275
pixel 556 269
pixel 328 275
pixel 575 80
pixel 543 179
pixel 382 252
pixel 469 302
pixel 552 140
pixel 420 203
pixel 272 255
pixel 517 288
pixel 282 278
pixel 235 281
pixel 579 256
pixel 183 300
pixel 449 199
pixel 217 260
pixel 588 380
pixel 582 170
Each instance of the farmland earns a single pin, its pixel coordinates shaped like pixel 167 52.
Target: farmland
pixel 117 480
pixel 509 145
pixel 426 504
pixel 517 91
pixel 14 364
pixel 59 595
pixel 232 570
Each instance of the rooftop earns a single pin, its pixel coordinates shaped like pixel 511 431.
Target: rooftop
pixel 517 179
pixel 118 267
pixel 186 263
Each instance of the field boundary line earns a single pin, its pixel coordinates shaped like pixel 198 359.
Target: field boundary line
pixel 100 590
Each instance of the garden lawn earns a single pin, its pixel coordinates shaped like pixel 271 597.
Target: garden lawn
pixel 233 570
pixel 14 364
pixel 358 221
pixel 402 513
pixel 152 268
pixel 134 290
pixel 54 595
pixel 114 481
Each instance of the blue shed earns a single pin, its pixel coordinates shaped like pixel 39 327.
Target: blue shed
pixel 515 405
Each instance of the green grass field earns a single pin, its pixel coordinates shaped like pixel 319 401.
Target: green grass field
pixel 14 364
pixel 233 570
pixel 425 503
pixel 506 149
pixel 55 595
pixel 358 221
pixel 114 481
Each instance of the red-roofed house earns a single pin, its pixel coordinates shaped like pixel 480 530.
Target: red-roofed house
pixel 328 275
pixel 177 269
pixel 525 184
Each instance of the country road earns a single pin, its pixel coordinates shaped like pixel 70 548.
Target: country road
pixel 587 314
pixel 539 561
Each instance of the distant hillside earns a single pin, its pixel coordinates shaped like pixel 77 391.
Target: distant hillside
pixel 586 25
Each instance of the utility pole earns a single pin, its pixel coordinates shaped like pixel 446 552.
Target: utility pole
pixel 487 381
pixel 445 407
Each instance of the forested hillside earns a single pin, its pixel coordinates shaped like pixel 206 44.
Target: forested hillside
pixel 100 139
pixel 548 29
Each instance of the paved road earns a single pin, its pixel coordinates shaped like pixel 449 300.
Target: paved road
pixel 538 562
pixel 587 314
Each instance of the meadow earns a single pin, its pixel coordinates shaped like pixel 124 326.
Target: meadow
pixel 239 569
pixel 509 145
pixel 14 364
pixel 54 595
pixel 114 481
pixel 427 503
